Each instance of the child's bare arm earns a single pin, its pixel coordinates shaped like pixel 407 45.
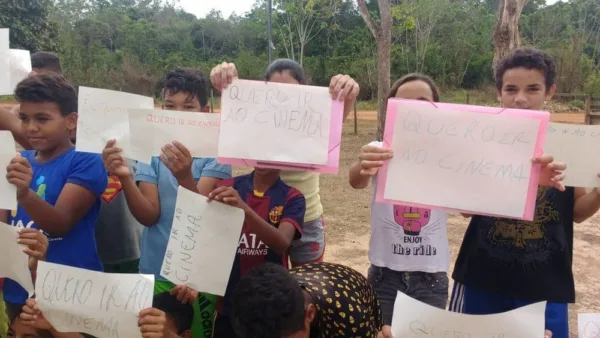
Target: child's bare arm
pixel 586 204
pixel 142 200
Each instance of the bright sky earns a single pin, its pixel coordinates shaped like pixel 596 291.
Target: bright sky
pixel 202 7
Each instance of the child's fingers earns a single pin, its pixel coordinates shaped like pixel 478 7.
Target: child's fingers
pixel 216 192
pixel 110 144
pixel 28 241
pixel 34 253
pixel 111 150
pixel 29 233
pixel 18 167
pixel 182 149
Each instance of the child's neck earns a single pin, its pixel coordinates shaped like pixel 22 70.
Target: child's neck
pixel 262 183
pixel 50 154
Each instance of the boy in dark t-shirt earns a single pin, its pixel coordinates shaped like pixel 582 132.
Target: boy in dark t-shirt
pixel 504 264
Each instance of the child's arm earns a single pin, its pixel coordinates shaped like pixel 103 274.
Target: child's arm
pixel 10 121
pixel 371 158
pixel 33 317
pixel 211 174
pixel 86 181
pixel 586 204
pixel 278 239
pixel 142 200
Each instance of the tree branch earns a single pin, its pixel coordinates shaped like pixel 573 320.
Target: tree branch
pixel 372 24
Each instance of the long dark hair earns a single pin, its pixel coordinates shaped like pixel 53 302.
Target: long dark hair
pixel 415 77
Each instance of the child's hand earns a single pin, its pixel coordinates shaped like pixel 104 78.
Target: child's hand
pixel 386 332
pixel 343 88
pixel 552 173
pixel 37 245
pixel 184 294
pixel 227 195
pixel 178 159
pixel 113 161
pixel 20 174
pixel 222 75
pixel 547 334
pixel 372 158
pixel 152 323
pixel 33 317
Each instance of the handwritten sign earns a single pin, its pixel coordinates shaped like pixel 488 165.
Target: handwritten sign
pixel 20 66
pixel 578 147
pixel 275 122
pixel 151 129
pixel 13 260
pixel 484 158
pixel 103 115
pixel 202 230
pixel 100 304
pixel 5 86
pixel 425 320
pixel 588 325
pixel 8 192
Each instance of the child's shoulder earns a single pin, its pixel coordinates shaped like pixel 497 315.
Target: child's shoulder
pixel 291 192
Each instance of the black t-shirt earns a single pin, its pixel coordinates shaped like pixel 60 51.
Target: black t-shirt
pixel 527 260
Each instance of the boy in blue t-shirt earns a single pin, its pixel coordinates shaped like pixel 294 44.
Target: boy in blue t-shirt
pixel 58 189
pixel 151 195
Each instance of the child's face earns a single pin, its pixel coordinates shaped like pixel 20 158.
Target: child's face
pixel 283 77
pixel 44 126
pixel 19 330
pixel 524 88
pixel 183 101
pixel 415 90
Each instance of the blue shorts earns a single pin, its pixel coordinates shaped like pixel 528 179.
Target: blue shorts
pixel 476 302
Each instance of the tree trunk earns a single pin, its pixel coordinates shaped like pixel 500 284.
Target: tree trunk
pixel 382 32
pixel 506 30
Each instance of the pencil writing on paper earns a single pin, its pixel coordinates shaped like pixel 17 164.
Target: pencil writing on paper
pixel 187 244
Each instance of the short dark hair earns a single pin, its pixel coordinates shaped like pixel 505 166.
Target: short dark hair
pixel 267 302
pixel 48 87
pixel 416 77
pixel 281 65
pixel 14 315
pixel 186 80
pixel 528 58
pixel 181 314
pixel 46 60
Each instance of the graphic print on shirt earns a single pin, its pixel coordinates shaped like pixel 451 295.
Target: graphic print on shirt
pixel 40 190
pixel 249 244
pixel 528 241
pixel 113 189
pixel 413 230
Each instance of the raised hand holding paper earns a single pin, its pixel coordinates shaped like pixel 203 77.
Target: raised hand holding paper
pixel 8 192
pixel 577 147
pixel 20 66
pixel 588 325
pixel 413 318
pixel 202 231
pixel 5 84
pixel 276 122
pixel 103 115
pixel 13 261
pixel 482 154
pixel 151 129
pixel 101 304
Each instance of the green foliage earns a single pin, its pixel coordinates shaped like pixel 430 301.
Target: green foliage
pixel 29 25
pixel 592 84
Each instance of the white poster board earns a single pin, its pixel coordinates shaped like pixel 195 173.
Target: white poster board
pixel 578 146
pixel 202 232
pixel 588 325
pixel 103 305
pixel 279 122
pixel 13 260
pixel 8 192
pixel 20 66
pixel 151 129
pixel 103 115
pixel 5 85
pixel 413 318
pixel 439 153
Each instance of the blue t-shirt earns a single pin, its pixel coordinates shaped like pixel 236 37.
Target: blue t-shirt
pixel 78 247
pixel 155 238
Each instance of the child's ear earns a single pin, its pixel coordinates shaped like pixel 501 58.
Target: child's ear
pixel 72 121
pixel 550 92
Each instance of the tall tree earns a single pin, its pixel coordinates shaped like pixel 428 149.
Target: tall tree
pixel 506 31
pixel 29 25
pixel 382 32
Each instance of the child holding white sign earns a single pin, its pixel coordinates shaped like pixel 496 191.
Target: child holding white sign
pixel 409 249
pixel 152 199
pixel 311 247
pixel 58 189
pixel 504 264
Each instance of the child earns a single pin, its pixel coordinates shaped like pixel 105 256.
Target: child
pixel 167 318
pixel 152 199
pixel 58 189
pixel 321 300
pixel 311 247
pixel 274 215
pixel 45 62
pixel 504 264
pixel 395 226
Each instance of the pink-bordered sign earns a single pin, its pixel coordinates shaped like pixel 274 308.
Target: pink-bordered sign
pixel 543 117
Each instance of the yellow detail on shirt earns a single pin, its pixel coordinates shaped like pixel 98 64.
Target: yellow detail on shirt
pixel 258 193
pixel 308 184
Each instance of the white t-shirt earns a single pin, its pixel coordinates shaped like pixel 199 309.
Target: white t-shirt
pixel 406 238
